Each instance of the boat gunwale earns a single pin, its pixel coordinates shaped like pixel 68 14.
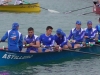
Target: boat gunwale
pixel 49 52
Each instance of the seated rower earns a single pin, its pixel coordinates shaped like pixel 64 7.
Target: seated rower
pixel 18 2
pixel 76 34
pixel 3 2
pixel 98 29
pixel 47 40
pixel 90 33
pixel 15 38
pixel 61 40
pixel 32 41
pixel 96 3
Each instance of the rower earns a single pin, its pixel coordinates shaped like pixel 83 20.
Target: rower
pixel 15 38
pixel 47 40
pixel 32 41
pixel 61 40
pixel 76 35
pixel 4 2
pixel 98 29
pixel 90 33
pixel 96 3
pixel 18 2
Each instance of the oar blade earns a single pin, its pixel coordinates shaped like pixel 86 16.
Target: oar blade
pixel 53 11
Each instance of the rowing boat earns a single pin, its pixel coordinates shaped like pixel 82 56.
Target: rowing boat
pixel 96 9
pixel 35 7
pixel 12 58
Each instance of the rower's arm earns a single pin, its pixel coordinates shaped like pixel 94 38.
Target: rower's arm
pixel 40 39
pixel 93 35
pixel 4 37
pixel 81 37
pixel 70 35
pixel 64 42
pixel 24 42
pixel 21 42
pixel 52 43
pixel 37 43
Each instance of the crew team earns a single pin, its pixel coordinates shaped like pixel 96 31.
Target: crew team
pixel 47 42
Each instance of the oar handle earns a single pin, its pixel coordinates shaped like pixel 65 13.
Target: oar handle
pixel 6 48
pixel 25 45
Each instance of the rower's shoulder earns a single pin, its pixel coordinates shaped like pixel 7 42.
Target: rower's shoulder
pixel 26 36
pixel 72 29
pixel 8 31
pixel 36 36
pixel 19 32
pixel 82 29
pixel 42 34
pixel 94 29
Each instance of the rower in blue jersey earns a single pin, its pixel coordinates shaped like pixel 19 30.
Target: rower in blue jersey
pixel 15 38
pixel 98 29
pixel 47 40
pixel 61 40
pixel 90 33
pixel 76 35
pixel 32 41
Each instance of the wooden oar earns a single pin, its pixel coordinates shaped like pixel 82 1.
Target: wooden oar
pixel 77 9
pixel 86 13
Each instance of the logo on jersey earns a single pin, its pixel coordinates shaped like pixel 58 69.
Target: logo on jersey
pixel 49 39
pixel 13 33
pixel 13 36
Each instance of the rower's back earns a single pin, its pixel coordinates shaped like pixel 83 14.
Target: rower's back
pixel 15 39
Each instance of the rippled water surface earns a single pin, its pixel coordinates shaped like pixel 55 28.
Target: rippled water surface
pixel 57 20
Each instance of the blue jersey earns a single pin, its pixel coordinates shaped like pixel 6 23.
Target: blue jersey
pixel 91 33
pixel 98 30
pixel 29 40
pixel 61 40
pixel 77 35
pixel 15 40
pixel 47 40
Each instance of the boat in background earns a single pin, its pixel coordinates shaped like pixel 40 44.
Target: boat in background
pixel 12 58
pixel 96 9
pixel 27 8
